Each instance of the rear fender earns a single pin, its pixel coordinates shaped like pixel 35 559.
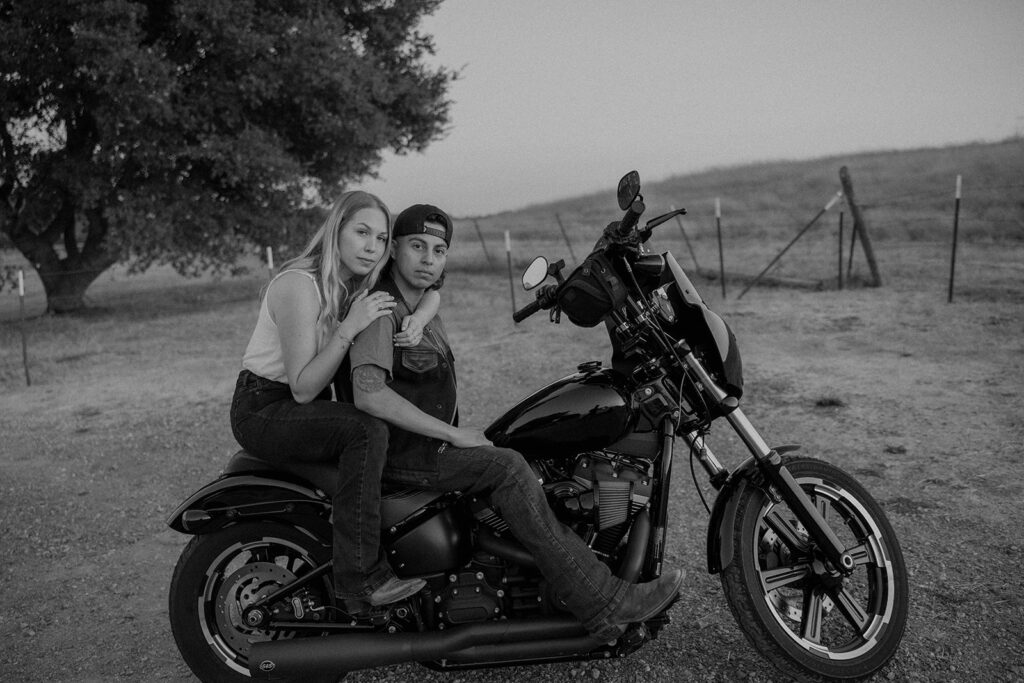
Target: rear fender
pixel 723 516
pixel 234 498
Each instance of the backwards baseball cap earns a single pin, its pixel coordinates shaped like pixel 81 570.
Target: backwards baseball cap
pixel 421 219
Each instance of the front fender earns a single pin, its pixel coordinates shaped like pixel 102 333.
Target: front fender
pixel 723 516
pixel 236 497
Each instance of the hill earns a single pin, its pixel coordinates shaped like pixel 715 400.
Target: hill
pixel 904 191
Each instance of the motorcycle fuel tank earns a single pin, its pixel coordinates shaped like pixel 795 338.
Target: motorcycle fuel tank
pixel 585 411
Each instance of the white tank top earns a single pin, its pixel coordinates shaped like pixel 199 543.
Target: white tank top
pixel 263 356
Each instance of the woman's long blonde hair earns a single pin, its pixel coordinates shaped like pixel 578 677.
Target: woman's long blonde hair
pixel 322 255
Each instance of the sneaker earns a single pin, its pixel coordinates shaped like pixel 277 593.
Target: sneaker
pixel 645 601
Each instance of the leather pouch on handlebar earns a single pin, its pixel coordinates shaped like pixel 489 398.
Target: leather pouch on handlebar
pixel 592 291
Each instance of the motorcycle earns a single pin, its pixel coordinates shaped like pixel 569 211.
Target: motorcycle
pixel 808 562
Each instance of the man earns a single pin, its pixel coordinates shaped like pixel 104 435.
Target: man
pixel 414 391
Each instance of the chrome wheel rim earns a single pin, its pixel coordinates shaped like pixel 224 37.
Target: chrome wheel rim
pixel 832 616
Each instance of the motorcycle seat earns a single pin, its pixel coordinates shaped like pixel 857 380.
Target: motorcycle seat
pixel 397 502
pixel 321 475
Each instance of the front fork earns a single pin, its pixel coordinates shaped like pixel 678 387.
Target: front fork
pixel 780 483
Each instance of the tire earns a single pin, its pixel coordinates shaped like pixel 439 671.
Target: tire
pixel 221 573
pixel 810 622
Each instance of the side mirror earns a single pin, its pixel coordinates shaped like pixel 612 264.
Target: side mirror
pixel 629 188
pixel 535 273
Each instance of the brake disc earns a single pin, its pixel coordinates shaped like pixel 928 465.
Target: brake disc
pixel 245 587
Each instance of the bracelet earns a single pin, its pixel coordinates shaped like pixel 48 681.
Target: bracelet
pixel 345 339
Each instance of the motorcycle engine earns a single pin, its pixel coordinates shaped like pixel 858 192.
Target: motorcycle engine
pixel 600 495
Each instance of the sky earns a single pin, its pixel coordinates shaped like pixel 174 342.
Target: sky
pixel 558 98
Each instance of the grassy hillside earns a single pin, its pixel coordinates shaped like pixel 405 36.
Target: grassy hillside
pixel 907 198
pixel 905 194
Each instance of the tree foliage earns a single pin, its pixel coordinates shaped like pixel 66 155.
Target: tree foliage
pixel 188 131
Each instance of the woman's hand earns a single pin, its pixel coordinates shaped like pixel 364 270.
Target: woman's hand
pixel 468 438
pixel 411 332
pixel 364 309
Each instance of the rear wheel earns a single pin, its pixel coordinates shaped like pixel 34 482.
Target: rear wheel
pixel 811 621
pixel 220 574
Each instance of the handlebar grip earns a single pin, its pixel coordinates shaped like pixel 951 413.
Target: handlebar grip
pixel 631 216
pixel 526 311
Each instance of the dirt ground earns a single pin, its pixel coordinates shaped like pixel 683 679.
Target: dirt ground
pixel 919 398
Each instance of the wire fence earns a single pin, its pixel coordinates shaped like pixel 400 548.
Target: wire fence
pixel 731 236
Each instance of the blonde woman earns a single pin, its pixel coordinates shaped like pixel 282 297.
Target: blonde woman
pixel 282 409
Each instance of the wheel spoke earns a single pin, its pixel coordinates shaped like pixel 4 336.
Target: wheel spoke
pixel 784 576
pixel 813 612
pixel 824 506
pixel 785 531
pixel 853 612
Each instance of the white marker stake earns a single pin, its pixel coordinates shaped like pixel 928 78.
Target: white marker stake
pixel 24 337
pixel 270 260
pixel 508 257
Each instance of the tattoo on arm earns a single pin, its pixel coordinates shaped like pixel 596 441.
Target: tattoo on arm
pixel 369 378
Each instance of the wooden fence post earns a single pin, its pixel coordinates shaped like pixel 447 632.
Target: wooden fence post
pixel 860 228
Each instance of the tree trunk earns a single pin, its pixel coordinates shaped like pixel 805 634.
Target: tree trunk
pixel 64 280
pixel 65 293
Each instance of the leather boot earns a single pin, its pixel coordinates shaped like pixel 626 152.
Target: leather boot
pixel 645 601
pixel 393 590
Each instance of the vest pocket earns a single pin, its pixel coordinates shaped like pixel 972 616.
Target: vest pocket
pixel 420 364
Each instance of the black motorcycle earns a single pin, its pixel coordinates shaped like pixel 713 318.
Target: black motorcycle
pixel 808 561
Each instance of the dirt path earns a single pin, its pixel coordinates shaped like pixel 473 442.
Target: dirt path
pixel 127 415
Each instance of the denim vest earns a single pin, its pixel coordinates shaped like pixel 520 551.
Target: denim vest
pixel 425 376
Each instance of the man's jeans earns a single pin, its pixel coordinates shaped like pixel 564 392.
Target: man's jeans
pixel 583 583
pixel 270 424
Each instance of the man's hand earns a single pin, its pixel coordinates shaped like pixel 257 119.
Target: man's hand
pixel 468 438
pixel 411 332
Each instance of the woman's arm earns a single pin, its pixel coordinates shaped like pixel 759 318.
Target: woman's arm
pixel 295 307
pixel 412 325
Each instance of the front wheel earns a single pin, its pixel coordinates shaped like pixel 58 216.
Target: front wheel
pixel 811 621
pixel 220 574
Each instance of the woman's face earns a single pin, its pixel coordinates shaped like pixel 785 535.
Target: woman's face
pixel 362 242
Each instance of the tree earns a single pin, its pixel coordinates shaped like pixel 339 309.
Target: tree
pixel 189 132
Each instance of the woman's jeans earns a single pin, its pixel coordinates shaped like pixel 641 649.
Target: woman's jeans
pixel 271 425
pixel 584 584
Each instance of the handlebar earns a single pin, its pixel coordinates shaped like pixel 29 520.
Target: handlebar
pixel 526 311
pixel 631 217
pixel 545 299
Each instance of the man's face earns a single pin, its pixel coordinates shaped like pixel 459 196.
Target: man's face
pixel 419 259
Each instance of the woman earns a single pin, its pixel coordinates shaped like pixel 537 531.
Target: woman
pixel 282 408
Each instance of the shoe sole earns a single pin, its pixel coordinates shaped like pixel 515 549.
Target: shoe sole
pixel 412 590
pixel 667 603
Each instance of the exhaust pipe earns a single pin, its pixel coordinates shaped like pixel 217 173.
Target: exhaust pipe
pixel 490 641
